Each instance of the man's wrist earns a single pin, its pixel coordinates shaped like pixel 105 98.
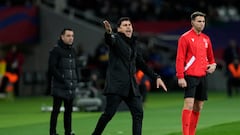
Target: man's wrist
pixel 158 76
pixel 109 31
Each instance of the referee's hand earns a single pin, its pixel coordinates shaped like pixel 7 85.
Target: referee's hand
pixel 182 83
pixel 211 68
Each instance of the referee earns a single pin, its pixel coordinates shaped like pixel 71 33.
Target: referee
pixel 194 61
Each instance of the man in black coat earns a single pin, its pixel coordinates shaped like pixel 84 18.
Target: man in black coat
pixel 64 79
pixel 124 59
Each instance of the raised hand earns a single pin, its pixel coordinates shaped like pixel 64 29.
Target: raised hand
pixel 107 26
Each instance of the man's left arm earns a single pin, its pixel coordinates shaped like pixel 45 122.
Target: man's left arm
pixel 210 56
pixel 78 66
pixel 141 64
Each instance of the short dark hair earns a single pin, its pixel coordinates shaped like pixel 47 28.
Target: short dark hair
pixel 197 13
pixel 119 22
pixel 65 29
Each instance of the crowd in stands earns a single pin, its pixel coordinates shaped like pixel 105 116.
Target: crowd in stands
pixel 232 65
pixel 152 10
pixel 147 10
pixel 11 63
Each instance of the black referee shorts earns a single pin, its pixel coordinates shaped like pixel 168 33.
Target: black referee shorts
pixel 196 88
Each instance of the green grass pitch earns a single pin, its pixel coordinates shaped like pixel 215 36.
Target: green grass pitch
pixel 162 112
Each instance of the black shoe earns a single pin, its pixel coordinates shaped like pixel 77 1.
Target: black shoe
pixel 54 134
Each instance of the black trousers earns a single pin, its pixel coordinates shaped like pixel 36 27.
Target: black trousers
pixel 135 106
pixel 4 84
pixel 68 104
pixel 231 82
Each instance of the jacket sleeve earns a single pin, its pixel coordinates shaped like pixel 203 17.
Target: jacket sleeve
pixel 141 64
pixel 181 53
pixel 78 67
pixel 210 54
pixel 110 39
pixel 53 63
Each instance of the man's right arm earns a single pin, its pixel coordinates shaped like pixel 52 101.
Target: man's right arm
pixel 180 58
pixel 107 26
pixel 110 37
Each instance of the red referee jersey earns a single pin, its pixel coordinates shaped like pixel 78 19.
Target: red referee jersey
pixel 194 53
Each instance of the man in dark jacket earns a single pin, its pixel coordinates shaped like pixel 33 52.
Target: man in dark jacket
pixel 124 59
pixel 64 78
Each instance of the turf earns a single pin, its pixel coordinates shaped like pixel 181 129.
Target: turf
pixel 220 116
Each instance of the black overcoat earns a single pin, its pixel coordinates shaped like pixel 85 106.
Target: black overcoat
pixel 63 70
pixel 124 59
